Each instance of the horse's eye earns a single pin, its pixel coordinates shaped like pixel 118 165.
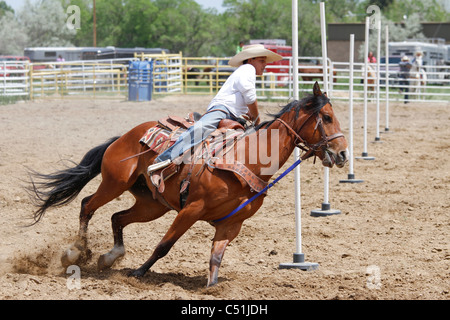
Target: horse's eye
pixel 327 118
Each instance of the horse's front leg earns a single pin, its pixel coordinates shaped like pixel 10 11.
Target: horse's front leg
pixel 224 235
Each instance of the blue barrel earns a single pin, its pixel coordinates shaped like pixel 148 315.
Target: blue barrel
pixel 140 80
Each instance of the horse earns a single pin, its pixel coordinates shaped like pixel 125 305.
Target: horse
pixel 309 73
pixel 417 75
pixel 371 78
pixel 192 73
pixel 309 123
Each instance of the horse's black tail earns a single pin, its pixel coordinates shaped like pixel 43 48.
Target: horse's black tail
pixel 59 188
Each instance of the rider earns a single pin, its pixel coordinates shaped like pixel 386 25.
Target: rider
pixel 405 67
pixel 418 56
pixel 237 97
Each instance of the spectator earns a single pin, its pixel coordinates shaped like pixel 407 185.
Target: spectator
pixel 240 47
pixel 404 75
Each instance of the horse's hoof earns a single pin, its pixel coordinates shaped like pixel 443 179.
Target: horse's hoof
pixel 211 284
pixel 136 273
pixel 104 263
pixel 70 257
pixel 74 255
pixel 106 260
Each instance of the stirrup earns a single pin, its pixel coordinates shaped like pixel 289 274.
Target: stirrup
pixel 158 166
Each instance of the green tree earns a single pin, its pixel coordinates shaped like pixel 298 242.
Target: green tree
pixel 256 19
pixel 309 41
pixel 272 19
pixel 5 8
pixel 109 14
pixel 182 25
pixel 13 36
pixel 45 24
pixel 138 24
pixel 427 10
pixel 342 11
pixel 178 25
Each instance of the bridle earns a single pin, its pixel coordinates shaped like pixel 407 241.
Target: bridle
pixel 311 149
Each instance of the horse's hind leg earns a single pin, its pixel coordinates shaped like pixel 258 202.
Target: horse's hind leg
pixel 144 210
pixel 79 252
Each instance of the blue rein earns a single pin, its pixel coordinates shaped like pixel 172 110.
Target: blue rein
pixel 270 185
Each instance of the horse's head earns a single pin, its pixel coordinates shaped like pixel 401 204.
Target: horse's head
pixel 320 131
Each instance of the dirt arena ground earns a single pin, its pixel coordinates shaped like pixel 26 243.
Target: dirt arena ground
pixel 391 240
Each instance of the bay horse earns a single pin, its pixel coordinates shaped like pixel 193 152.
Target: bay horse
pixel 309 73
pixel 309 124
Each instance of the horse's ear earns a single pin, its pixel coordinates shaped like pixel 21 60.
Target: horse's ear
pixel 316 89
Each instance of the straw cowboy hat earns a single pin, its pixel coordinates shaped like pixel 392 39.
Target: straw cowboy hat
pixel 253 51
pixel 405 58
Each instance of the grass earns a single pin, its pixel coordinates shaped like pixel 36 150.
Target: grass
pixel 11 99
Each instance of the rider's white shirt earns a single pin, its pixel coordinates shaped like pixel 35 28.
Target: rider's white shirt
pixel 238 91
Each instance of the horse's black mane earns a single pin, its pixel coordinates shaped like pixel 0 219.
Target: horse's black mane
pixel 310 103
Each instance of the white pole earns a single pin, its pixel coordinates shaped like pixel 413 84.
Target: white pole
pixel 350 118
pixel 323 31
pixel 387 78
pixel 326 208
pixel 366 66
pixel 299 257
pixel 298 223
pixel 351 174
pixel 298 206
pixel 377 137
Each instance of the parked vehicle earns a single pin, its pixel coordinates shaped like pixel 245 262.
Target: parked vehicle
pixel 10 65
pixel 278 46
pixel 394 68
pixel 50 54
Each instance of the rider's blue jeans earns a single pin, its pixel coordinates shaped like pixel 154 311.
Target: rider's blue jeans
pixel 197 133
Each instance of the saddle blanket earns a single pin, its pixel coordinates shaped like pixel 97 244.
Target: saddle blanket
pixel 159 139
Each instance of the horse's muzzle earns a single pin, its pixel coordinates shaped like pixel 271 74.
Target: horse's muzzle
pixel 331 158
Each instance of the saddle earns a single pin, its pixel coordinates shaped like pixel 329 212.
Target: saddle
pixel 174 122
pixel 166 133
